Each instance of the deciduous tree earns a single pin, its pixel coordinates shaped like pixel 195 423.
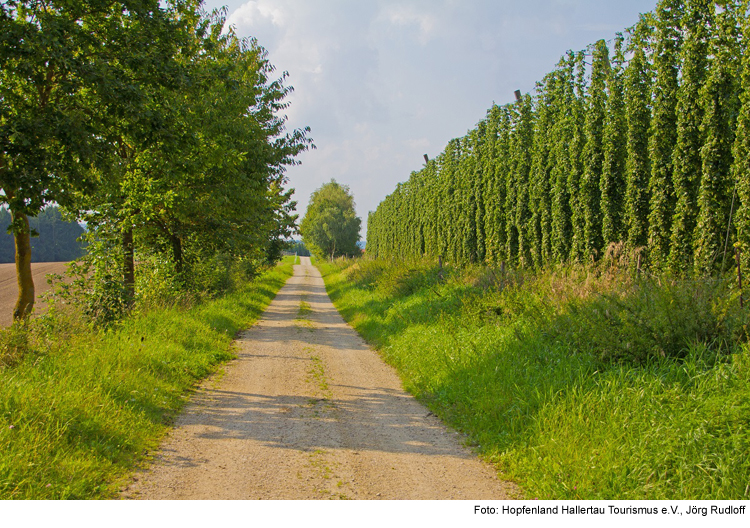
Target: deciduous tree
pixel 330 227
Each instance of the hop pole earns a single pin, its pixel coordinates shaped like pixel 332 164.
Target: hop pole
pixel 739 271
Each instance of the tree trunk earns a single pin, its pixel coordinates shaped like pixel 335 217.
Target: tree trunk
pixel 22 238
pixel 128 269
pixel 177 253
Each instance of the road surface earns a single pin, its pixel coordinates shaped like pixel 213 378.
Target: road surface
pixel 309 411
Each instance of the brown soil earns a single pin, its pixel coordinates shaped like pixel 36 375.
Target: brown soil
pixel 9 286
pixel 309 411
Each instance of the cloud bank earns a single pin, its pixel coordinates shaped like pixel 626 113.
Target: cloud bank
pixel 381 83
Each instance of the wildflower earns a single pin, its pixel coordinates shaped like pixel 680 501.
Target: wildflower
pixel 12 427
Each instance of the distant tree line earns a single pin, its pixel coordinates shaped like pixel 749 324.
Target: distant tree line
pixel 57 240
pixel 643 141
pixel 154 124
pixel 297 247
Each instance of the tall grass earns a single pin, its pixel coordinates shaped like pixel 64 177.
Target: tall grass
pixel 82 408
pixel 578 382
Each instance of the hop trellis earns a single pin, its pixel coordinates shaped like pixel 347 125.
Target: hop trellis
pixel 647 146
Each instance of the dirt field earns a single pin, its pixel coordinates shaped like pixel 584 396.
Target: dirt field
pixel 309 411
pixel 9 286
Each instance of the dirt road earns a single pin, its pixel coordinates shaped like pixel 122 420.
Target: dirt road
pixel 309 411
pixel 9 286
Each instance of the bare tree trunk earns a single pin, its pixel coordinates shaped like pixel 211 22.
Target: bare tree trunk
pixel 22 238
pixel 128 268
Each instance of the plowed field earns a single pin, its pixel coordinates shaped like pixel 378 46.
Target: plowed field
pixel 9 286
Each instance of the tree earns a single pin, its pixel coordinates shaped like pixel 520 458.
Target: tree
pixel 48 55
pixel 151 122
pixel 330 226
pixel 197 152
pixel 148 59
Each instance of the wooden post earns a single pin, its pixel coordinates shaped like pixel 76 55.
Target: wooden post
pixel 739 272
pixel 440 268
pixel 517 93
pixel 638 263
pixel 426 159
pixel 128 266
pixel 729 227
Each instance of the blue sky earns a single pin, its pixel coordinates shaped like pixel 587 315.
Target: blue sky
pixel 383 82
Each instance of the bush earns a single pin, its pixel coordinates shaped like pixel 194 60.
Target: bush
pixel 656 318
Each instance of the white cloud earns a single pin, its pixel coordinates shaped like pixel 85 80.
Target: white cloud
pixel 409 15
pixel 383 82
pixel 254 13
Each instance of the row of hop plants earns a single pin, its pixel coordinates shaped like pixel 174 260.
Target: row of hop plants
pixel 643 140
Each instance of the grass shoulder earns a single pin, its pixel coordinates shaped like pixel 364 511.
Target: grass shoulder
pixel 578 383
pixel 80 414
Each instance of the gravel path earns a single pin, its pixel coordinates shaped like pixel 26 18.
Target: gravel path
pixel 309 411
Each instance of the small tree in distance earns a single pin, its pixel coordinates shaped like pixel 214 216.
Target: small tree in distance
pixel 330 227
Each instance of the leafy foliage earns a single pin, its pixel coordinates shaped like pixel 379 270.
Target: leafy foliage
pixel 155 125
pixel 331 227
pixel 647 151
pixel 664 127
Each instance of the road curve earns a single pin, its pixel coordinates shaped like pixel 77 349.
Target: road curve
pixel 309 411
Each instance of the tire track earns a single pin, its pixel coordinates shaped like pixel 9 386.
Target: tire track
pixel 309 411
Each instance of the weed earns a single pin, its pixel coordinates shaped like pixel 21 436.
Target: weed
pixel 81 411
pixel 584 382
pixel 14 344
pixel 304 310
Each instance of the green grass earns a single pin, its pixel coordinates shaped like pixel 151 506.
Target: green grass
pixel 304 310
pixel 78 415
pixel 577 383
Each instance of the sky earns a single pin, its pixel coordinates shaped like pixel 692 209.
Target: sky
pixel 383 82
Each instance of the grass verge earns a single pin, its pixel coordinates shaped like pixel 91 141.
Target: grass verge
pixel 576 383
pixel 79 416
